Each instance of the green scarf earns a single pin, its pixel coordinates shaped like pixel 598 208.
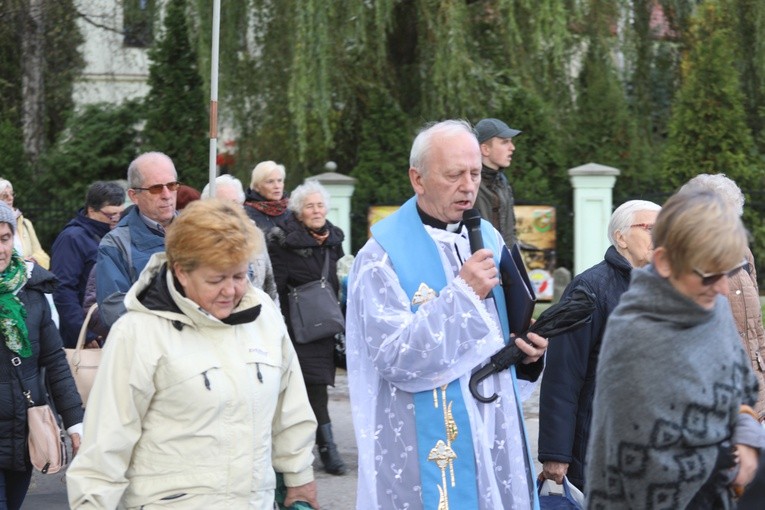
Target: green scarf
pixel 13 326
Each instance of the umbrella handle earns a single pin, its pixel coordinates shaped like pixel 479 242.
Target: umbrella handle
pixel 476 379
pixel 508 355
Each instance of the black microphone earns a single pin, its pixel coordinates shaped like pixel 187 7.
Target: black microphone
pixel 472 220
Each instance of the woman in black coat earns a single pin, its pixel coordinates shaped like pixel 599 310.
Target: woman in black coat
pixel 265 202
pixel 297 247
pixel 28 337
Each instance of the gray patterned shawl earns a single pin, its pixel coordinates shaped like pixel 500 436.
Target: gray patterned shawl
pixel 670 380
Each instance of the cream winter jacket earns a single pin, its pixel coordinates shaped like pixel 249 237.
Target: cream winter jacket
pixel 190 412
pixel 745 303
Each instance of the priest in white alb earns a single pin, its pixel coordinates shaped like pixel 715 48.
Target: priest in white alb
pixel 423 313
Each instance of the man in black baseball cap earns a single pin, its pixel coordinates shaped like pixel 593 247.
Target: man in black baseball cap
pixel 495 196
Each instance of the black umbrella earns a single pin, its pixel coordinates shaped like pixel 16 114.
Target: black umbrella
pixel 567 315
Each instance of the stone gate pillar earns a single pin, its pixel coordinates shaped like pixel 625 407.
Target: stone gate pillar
pixel 593 204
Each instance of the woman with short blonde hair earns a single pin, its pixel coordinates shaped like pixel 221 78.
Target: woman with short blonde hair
pixel 265 201
pixel 672 415
pixel 199 396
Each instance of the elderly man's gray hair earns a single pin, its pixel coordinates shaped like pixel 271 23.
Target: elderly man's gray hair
pixel 134 177
pixel 424 140
pixel 624 216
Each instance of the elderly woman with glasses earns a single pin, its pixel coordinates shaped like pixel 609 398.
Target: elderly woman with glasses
pixel 298 247
pixel 673 425
pixel 199 395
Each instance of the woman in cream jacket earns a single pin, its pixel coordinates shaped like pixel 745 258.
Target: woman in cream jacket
pixel 199 396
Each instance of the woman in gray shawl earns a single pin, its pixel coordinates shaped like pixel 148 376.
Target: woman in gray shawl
pixel 672 425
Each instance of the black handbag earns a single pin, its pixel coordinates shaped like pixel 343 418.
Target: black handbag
pixel 314 310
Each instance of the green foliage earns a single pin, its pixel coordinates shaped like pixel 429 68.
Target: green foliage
pixel 749 33
pixel 305 76
pixel 651 74
pixel 308 89
pixel 448 68
pixel 99 143
pixel 176 119
pixel 708 131
pixel 604 129
pixel 63 64
pixel 382 170
pixel 12 160
pixel 534 38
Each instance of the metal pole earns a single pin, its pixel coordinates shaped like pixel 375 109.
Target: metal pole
pixel 214 96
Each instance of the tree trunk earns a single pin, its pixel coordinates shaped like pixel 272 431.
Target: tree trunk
pixel 32 81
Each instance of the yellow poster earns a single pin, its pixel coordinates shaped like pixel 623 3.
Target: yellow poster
pixel 535 227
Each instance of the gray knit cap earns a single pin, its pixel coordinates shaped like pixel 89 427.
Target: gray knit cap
pixel 7 216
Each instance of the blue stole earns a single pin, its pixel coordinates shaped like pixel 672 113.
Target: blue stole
pixel 417 260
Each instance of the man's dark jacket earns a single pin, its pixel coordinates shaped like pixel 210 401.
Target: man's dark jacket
pixel 495 202
pixel 568 382
pixel 73 256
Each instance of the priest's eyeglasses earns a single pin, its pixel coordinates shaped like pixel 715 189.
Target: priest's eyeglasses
pixel 708 279
pixel 157 188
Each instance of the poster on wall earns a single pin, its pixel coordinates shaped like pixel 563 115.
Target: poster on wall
pixel 535 228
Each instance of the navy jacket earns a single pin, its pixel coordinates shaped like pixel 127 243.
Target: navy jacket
pixel 568 383
pixel 46 352
pixel 73 256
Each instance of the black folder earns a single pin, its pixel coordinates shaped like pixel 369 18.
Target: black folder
pixel 519 294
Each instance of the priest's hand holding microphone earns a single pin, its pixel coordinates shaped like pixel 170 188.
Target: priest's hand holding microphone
pixel 480 272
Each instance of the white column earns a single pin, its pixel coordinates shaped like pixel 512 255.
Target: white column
pixel 593 204
pixel 340 188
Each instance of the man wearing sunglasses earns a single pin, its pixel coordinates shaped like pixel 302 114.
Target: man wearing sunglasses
pixel 125 251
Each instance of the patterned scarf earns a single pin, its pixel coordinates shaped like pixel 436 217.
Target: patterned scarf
pixel 270 207
pixel 13 326
pixel 320 235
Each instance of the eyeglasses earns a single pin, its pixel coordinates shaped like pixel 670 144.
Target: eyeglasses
pixel 708 279
pixel 157 188
pixel 111 216
pixel 644 226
